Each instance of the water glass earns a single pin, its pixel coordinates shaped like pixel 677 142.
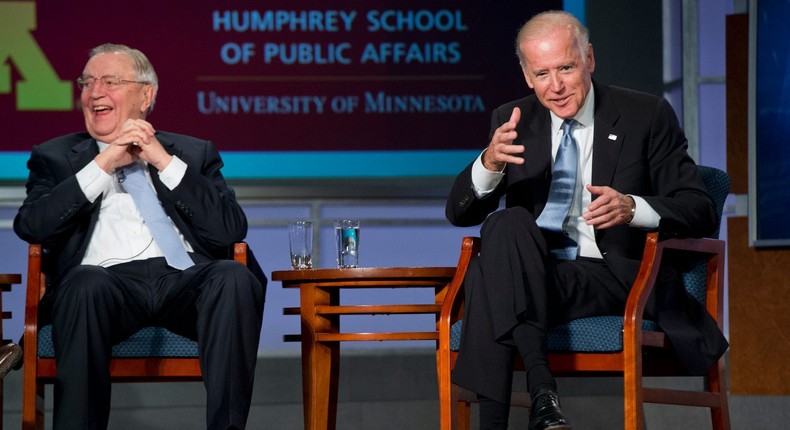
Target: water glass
pixel 300 234
pixel 347 238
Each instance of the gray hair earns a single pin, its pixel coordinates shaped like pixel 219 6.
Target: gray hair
pixel 545 22
pixel 143 68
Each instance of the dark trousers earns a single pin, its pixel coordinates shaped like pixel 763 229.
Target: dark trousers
pixel 516 281
pixel 217 303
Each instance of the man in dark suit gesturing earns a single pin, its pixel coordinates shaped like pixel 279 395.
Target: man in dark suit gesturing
pixel 111 272
pixel 629 172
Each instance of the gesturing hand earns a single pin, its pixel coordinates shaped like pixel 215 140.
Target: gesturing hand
pixel 501 150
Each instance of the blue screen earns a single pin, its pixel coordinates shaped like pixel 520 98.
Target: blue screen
pixel 772 124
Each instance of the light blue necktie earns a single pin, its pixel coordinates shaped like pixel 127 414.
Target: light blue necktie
pixel 563 185
pixel 136 184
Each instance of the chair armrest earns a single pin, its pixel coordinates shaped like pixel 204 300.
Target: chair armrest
pixel 711 249
pixel 36 285
pixel 452 303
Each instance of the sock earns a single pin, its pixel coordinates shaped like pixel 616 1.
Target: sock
pixel 493 414
pixel 531 344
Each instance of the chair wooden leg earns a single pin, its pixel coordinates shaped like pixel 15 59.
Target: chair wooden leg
pixel 40 414
pixel 633 397
pixel 32 397
pixel 462 410
pixel 720 416
pixel 634 411
pixel 445 392
pixel 33 405
pixel 464 415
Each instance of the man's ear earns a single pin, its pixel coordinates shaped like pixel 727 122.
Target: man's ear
pixel 149 94
pixel 528 79
pixel 590 58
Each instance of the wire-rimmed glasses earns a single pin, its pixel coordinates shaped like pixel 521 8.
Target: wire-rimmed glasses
pixel 110 82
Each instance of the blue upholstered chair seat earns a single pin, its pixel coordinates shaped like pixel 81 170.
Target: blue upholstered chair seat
pixel 148 342
pixel 593 334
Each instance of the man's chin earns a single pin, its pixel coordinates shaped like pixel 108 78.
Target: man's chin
pixel 103 136
pixel 564 112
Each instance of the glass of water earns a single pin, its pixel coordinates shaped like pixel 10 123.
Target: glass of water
pixel 347 239
pixel 300 234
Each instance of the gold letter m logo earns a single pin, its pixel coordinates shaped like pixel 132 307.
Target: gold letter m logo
pixel 39 88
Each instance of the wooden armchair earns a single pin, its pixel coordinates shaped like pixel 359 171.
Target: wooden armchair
pixel 612 345
pixel 151 354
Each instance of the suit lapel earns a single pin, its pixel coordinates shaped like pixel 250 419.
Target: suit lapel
pixel 82 153
pixel 168 144
pixel 537 144
pixel 608 138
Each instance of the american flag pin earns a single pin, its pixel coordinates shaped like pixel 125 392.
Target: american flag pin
pixel 612 137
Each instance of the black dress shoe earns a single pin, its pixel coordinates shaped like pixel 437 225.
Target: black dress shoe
pixel 10 355
pixel 546 413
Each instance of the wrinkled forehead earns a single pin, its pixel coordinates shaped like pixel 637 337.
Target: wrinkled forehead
pixel 551 51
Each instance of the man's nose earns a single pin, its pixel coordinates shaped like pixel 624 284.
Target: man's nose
pixel 556 83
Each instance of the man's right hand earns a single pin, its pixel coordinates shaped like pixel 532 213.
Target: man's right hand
pixel 113 157
pixel 120 152
pixel 501 149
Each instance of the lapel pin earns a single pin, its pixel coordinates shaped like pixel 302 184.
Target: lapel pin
pixel 612 137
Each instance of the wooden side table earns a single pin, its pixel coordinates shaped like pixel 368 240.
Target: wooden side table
pixel 6 282
pixel 320 311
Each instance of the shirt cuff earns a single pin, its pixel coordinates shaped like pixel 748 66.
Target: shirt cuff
pixel 93 180
pixel 483 180
pixel 173 173
pixel 644 215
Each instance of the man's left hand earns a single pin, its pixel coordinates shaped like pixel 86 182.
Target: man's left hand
pixel 148 147
pixel 609 209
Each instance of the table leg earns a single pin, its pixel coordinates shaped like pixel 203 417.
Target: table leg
pixel 320 360
pixel 319 384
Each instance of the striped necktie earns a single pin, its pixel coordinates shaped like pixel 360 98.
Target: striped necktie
pixel 563 185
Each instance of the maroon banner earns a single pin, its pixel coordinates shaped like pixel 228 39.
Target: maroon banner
pixel 275 75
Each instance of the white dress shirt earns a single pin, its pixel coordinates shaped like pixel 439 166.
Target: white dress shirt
pixel 485 181
pixel 120 234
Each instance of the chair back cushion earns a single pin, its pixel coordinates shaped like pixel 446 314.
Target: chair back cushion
pixel 148 342
pixel 718 184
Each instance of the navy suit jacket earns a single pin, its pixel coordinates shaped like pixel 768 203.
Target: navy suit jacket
pixel 57 214
pixel 639 149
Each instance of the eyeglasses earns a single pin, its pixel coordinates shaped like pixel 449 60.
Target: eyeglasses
pixel 110 82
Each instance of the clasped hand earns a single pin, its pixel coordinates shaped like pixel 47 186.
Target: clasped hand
pixel 136 140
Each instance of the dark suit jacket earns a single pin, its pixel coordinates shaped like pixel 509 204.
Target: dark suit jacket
pixel 57 214
pixel 640 149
